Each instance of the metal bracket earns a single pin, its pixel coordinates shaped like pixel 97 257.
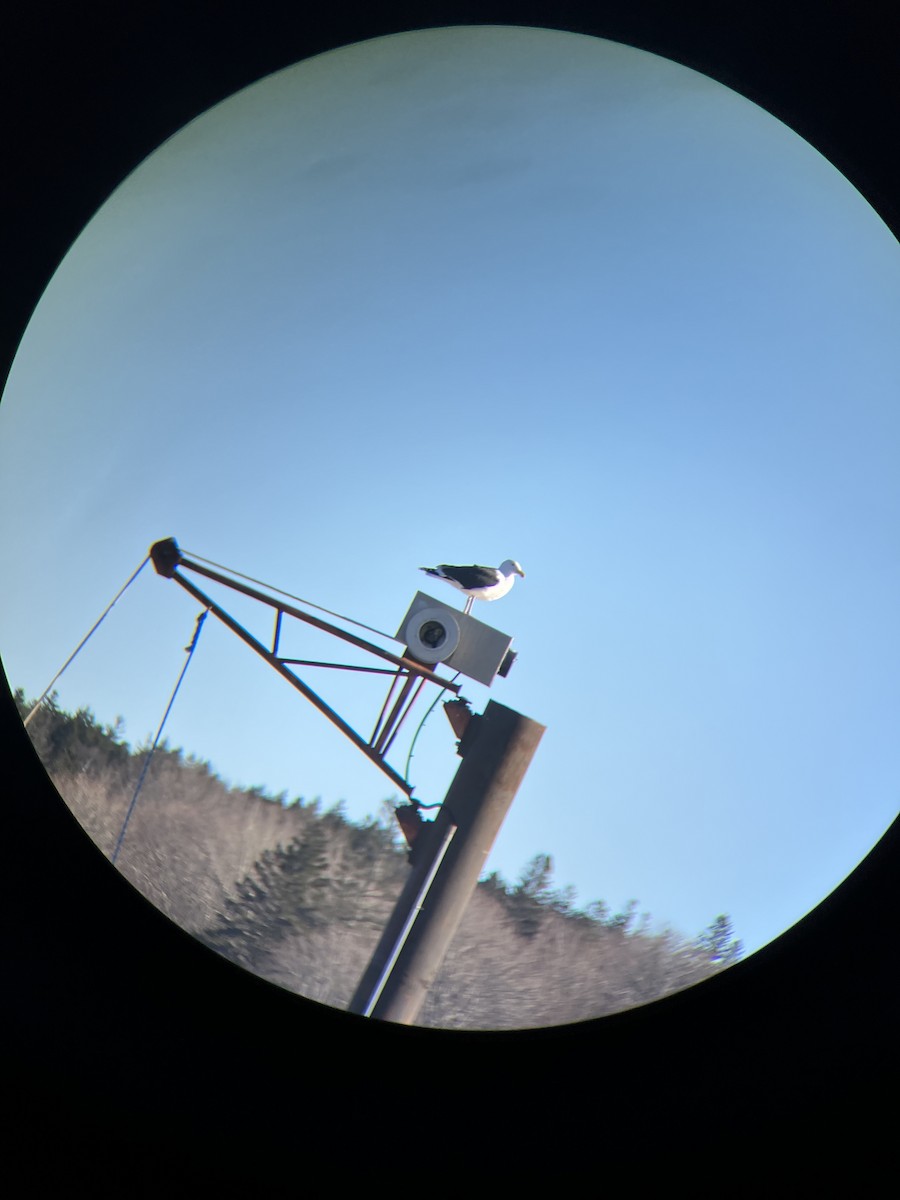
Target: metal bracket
pixel 170 562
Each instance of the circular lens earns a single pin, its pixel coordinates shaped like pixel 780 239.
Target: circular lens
pixel 433 634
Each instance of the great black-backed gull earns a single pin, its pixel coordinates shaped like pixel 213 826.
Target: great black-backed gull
pixel 478 583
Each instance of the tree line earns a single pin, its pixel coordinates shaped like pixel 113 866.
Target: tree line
pixel 299 895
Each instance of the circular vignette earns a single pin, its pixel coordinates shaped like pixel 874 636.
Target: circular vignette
pixel 849 140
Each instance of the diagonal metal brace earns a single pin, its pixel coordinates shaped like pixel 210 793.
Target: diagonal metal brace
pixel 292 679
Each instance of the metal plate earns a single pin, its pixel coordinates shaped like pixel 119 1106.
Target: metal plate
pixel 481 650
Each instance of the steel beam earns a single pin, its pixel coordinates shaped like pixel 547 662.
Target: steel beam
pixel 292 679
pixel 409 664
pixel 446 870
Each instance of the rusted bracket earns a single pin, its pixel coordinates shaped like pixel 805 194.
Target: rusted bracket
pixel 169 562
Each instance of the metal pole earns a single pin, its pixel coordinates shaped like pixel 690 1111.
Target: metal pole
pixel 408 924
pixel 477 802
pixel 429 845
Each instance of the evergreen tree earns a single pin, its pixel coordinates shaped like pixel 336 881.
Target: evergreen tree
pixel 718 943
pixel 300 895
pixel 528 901
pixel 535 882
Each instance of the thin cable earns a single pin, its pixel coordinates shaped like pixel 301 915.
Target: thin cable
pixel 108 609
pixel 410 921
pixel 419 730
pixel 190 654
pixel 290 595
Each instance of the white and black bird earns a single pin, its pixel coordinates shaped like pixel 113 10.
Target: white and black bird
pixel 478 583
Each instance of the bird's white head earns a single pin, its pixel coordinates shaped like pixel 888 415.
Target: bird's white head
pixel 510 567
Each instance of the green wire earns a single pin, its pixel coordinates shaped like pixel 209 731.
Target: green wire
pixel 422 722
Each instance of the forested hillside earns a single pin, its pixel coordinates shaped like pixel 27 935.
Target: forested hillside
pixel 300 896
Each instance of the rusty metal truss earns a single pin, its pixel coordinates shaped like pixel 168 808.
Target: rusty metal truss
pixel 407 676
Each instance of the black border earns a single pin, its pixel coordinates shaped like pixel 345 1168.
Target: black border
pixel 131 1047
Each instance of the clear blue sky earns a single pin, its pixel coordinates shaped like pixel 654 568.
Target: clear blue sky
pixel 466 294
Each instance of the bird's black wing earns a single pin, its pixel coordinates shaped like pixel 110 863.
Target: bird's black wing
pixel 471 577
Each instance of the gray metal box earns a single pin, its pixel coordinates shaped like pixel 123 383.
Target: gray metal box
pixel 434 632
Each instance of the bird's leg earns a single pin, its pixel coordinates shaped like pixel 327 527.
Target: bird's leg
pixel 469 603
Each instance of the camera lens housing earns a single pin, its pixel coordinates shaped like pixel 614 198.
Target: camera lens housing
pixel 432 635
